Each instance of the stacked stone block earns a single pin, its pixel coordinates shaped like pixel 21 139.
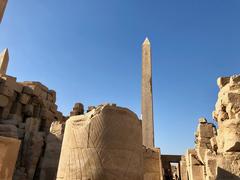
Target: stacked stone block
pixel 217 150
pixel 27 110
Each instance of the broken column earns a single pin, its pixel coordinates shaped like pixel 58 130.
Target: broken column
pixel 147 102
pixel 105 143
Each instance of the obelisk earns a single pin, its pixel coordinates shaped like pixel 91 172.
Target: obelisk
pixel 147 100
pixel 4 58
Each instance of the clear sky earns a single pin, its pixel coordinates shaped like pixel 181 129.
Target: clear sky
pixel 89 51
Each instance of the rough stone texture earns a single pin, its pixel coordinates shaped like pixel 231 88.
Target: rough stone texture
pixel 105 143
pixel 152 165
pixel 78 109
pixel 183 168
pixel 218 150
pixel 147 101
pixel 27 110
pixel 9 148
pixel 3 4
pixel 52 152
pixel 195 168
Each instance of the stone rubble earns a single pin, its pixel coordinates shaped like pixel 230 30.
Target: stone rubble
pixel 217 149
pixel 27 110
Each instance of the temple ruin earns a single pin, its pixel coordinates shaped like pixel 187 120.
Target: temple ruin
pixel 108 142
pixel 217 149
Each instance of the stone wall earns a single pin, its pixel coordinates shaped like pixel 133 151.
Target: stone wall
pixel 9 148
pixel 152 165
pixel 217 150
pixel 27 110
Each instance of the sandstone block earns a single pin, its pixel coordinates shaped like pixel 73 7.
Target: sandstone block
pixel 11 83
pixel 4 90
pixel 151 164
pixel 6 111
pixel 222 81
pixel 229 135
pixel 27 90
pixel 24 99
pixel 28 109
pixel 8 131
pixel 16 108
pixel 3 101
pixel 235 79
pixel 9 148
pixel 52 96
pixel 52 151
pixel 4 58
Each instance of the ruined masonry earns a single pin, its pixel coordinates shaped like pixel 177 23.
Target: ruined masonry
pixel 108 142
pixel 27 111
pixel 217 149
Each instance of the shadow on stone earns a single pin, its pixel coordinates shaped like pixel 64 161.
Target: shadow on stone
pixel 225 175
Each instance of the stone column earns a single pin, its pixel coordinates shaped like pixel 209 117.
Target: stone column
pixel 147 102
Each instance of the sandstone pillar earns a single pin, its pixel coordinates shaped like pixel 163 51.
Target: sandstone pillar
pixel 4 58
pixel 147 102
pixel 102 144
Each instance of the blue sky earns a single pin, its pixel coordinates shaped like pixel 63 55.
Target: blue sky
pixel 89 51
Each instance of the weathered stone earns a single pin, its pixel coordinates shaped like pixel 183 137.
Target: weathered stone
pixel 3 101
pixel 194 166
pixel 183 167
pixel 28 109
pixel 9 148
pixel 147 102
pixel 151 164
pixel 90 108
pixel 6 111
pixel 202 120
pixel 11 83
pixel 4 58
pixel 24 99
pixel 229 135
pixel 52 96
pixel 78 109
pixel 219 153
pixel 4 90
pixel 52 152
pixel 116 128
pixel 8 130
pixel 222 81
pixel 16 108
